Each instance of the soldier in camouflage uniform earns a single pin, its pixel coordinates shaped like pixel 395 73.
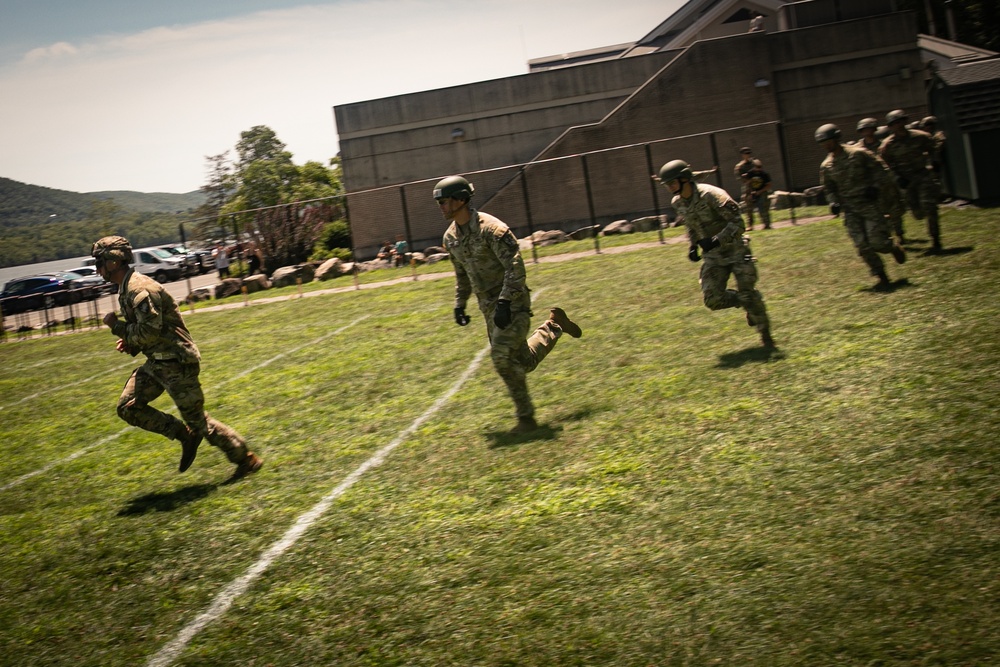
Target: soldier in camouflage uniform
pixel 487 262
pixel 715 226
pixel 152 325
pixel 850 175
pixel 909 154
pixel 891 200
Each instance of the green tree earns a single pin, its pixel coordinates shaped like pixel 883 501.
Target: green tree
pixel 283 207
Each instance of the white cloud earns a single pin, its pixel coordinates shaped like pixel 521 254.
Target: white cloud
pixel 141 111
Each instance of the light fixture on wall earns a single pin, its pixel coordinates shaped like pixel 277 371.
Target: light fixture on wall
pixel 457 133
pixel 761 83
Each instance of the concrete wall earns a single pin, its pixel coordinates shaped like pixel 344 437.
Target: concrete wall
pixel 504 121
pixel 766 90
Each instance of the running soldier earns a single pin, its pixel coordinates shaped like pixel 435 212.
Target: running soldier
pixel 890 198
pixel 909 154
pixel 152 325
pixel 487 262
pixel 850 175
pixel 714 226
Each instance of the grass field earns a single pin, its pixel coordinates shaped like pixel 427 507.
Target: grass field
pixel 688 500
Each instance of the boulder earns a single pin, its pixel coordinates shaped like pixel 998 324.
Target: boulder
pixel 552 237
pixel 438 257
pixel 782 200
pixel 434 250
pixel 291 275
pixel 200 294
pixel 649 223
pixel 256 283
pixel 587 232
pixel 618 227
pixel 331 268
pixel 228 287
pixel 814 196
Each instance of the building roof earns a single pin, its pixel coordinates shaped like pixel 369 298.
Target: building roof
pixel 947 54
pixel 975 94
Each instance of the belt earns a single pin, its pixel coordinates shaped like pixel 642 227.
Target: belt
pixel 164 356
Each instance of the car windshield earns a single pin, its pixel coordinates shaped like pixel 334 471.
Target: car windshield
pixel 161 253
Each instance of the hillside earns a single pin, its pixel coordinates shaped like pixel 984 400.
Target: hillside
pixel 39 224
pixel 22 204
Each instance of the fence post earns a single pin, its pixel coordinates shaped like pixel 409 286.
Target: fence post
pixel 655 189
pixel 527 214
pixel 590 202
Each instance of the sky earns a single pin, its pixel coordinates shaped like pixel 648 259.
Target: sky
pixel 102 95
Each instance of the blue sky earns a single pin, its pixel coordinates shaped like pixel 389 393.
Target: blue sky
pixel 133 94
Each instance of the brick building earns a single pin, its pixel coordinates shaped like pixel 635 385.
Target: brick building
pixel 573 142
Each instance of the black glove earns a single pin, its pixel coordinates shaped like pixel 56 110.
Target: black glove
pixel 871 193
pixel 902 182
pixel 835 209
pixel 461 319
pixel 501 316
pixel 693 253
pixel 708 244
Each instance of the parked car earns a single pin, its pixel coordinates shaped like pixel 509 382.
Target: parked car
pixel 191 263
pixel 35 292
pixel 157 263
pixel 89 273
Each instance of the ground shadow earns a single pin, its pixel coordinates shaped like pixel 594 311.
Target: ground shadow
pixel 751 355
pixel 500 439
pixel 945 252
pixel 894 286
pixel 167 502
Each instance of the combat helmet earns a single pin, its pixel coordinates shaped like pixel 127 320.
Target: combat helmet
pixel 675 169
pixel 826 132
pixel 112 247
pixel 929 121
pixel 867 123
pixel 895 116
pixel 454 187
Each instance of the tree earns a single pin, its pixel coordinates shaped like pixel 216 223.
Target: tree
pixel 217 191
pixel 275 201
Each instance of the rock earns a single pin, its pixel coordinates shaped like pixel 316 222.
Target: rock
pixel 228 287
pixel 256 283
pixel 438 257
pixel 649 223
pixel 331 268
pixel 618 227
pixel 552 237
pixel 434 250
pixel 200 294
pixel 587 232
pixel 291 275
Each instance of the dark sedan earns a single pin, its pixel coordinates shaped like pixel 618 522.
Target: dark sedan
pixel 35 292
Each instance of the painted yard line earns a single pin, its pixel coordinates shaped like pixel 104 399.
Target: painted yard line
pixel 64 386
pixel 173 649
pixel 80 452
pixel 239 586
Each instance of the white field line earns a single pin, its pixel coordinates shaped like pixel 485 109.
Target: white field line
pixel 172 650
pixel 238 586
pixel 80 452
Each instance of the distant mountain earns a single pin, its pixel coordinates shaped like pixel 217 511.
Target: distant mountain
pixel 22 204
pixel 153 202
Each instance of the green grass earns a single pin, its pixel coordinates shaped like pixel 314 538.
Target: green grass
pixel 689 499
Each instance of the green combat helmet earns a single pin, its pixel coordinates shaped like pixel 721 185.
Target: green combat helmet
pixel 454 187
pixel 112 247
pixel 675 169
pixel 827 132
pixel 866 123
pixel 895 116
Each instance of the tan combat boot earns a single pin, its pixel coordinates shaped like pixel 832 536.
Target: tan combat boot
pixel 251 463
pixel 558 315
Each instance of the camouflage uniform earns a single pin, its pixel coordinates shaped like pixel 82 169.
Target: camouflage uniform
pixel 488 262
pixel 909 159
pixel 710 212
pixel 152 325
pixel 890 199
pixel 848 178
